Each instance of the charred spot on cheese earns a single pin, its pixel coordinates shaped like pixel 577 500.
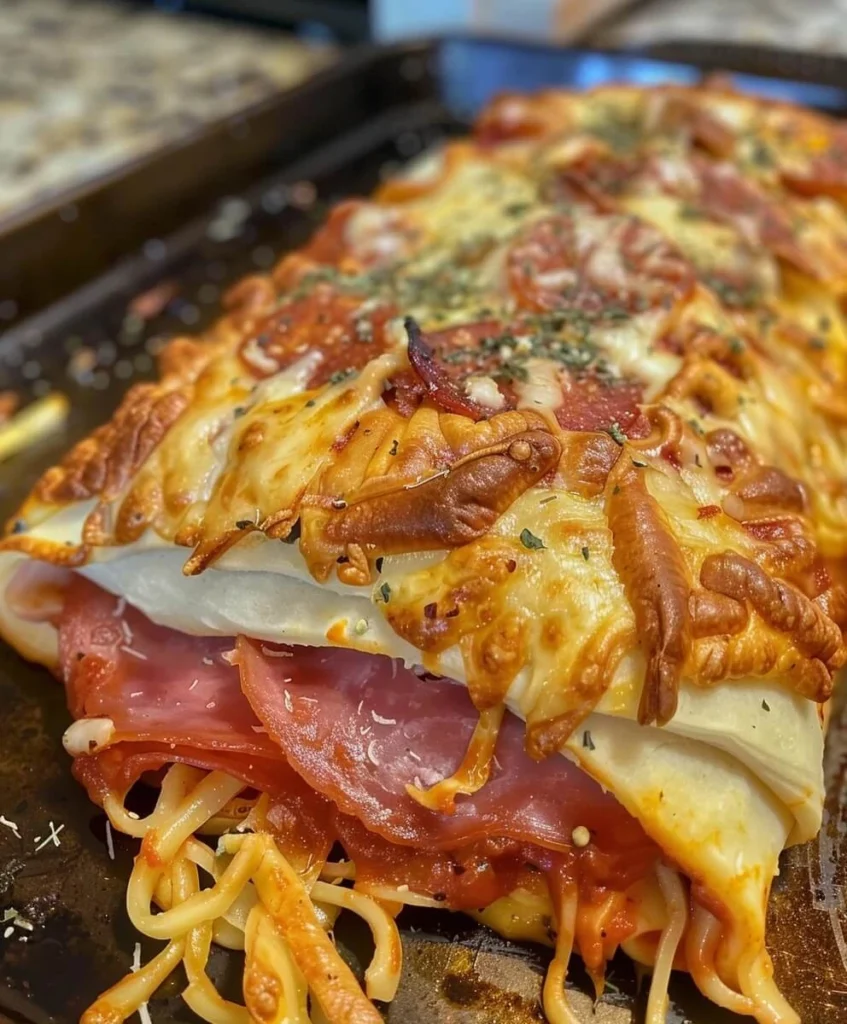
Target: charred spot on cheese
pixel 480 470
pixel 439 386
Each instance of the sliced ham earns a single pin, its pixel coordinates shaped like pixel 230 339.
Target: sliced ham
pixel 333 737
pixel 156 684
pixel 179 702
pixel 360 728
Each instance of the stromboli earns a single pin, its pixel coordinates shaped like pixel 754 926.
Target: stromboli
pixel 638 547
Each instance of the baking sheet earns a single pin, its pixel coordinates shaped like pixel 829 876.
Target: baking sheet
pixel 92 346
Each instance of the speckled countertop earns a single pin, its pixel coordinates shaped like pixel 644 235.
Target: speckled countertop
pixel 816 25
pixel 86 86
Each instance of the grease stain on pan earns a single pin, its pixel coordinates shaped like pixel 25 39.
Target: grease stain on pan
pixel 807 913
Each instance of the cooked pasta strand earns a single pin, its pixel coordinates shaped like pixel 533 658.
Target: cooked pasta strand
pixel 207 797
pixel 554 997
pixel 274 987
pixel 200 994
pixel 702 939
pixel 123 999
pixel 330 979
pixel 209 904
pixel 677 906
pixel 383 974
pixel 756 980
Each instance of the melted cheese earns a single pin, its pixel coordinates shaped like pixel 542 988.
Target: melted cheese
pixel 531 610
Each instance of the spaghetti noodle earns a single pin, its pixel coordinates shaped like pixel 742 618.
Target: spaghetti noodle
pixel 258 903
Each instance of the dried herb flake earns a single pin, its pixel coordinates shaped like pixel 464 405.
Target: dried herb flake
pixel 530 541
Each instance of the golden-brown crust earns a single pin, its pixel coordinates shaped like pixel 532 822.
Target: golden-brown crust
pixel 655 578
pixel 713 613
pixel 546 733
pixel 103 464
pixel 437 509
pixel 785 610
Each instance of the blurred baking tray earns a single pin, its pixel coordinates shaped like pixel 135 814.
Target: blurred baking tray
pixel 347 128
pixel 53 246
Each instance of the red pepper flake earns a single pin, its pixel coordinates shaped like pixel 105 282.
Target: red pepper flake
pixel 708 511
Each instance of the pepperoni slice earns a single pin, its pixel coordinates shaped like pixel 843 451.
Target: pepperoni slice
pixel 591 263
pixel 714 190
pixel 720 192
pixel 596 177
pixel 511 118
pixel 591 403
pixel 346 332
pixel 726 195
pixel 357 235
pixel 825 173
pixel 442 364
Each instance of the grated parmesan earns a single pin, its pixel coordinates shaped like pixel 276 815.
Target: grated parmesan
pixel 382 721
pixel 271 653
pixel 134 653
pixel 52 838
pixel 286 696
pixel 11 826
pixel 371 755
pixel 110 843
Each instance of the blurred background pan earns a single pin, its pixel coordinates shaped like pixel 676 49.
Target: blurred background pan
pixel 157 267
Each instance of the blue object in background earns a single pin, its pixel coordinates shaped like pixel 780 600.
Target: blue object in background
pixel 408 19
pixel 471 71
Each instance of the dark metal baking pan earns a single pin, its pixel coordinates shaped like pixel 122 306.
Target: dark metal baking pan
pixel 53 246
pixel 383 106
pixel 807 66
